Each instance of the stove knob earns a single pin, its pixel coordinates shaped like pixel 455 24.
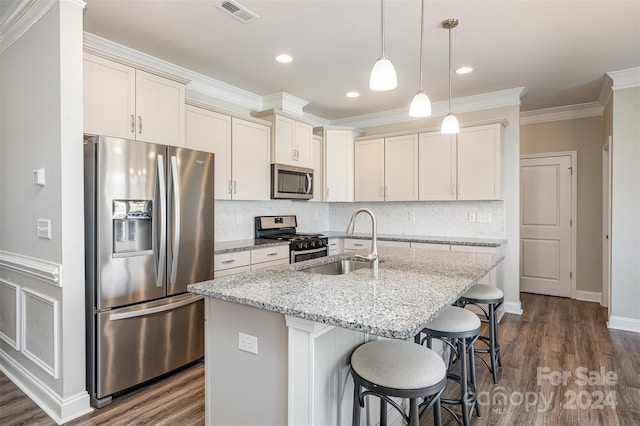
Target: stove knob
pixel 305 245
pixel 312 244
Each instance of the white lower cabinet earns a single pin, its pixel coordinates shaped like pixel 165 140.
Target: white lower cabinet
pixel 269 257
pixel 334 246
pixel 240 262
pixel 237 262
pixel 350 244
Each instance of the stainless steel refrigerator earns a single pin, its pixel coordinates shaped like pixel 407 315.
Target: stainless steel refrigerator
pixel 149 228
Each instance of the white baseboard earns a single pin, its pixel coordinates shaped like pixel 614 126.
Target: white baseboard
pixel 622 323
pixel 589 296
pixel 61 410
pixel 513 307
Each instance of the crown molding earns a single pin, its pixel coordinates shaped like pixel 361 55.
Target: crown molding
pixel 499 99
pixel 196 83
pixel 625 79
pixel 19 18
pixel 568 112
pixel 284 102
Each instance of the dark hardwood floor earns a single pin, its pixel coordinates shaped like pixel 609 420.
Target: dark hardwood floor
pixel 561 366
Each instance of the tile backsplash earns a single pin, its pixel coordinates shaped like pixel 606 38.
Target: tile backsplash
pixel 234 219
pixel 443 218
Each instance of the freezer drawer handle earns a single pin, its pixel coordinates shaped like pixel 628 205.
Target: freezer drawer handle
pixel 155 309
pixel 162 250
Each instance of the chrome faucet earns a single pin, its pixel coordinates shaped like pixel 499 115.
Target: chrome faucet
pixel 373 255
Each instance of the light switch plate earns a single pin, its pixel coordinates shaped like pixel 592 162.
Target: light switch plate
pixel 44 228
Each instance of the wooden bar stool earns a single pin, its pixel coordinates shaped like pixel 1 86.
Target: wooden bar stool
pixel 458 329
pixel 493 297
pixel 400 369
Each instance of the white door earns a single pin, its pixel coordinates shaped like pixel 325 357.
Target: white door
pixel 545 225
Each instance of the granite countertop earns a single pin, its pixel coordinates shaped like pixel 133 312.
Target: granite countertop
pixel 248 244
pixel 412 287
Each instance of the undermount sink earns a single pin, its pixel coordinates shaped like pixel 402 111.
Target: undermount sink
pixel 340 267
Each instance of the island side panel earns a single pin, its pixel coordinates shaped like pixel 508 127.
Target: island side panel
pixel 243 388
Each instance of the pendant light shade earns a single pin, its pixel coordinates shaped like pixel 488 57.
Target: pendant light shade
pixel 450 123
pixel 383 75
pixel 420 105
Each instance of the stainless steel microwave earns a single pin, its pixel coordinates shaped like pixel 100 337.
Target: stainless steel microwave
pixel 291 183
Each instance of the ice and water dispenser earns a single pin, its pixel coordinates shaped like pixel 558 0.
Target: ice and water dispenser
pixel 132 228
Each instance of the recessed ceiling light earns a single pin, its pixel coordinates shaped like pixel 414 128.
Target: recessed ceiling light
pixel 284 58
pixel 352 94
pixel 464 70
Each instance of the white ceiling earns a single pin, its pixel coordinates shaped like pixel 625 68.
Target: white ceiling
pixel 558 50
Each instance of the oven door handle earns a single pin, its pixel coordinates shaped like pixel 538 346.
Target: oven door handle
pixel 309 251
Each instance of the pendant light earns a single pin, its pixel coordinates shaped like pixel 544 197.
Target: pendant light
pixel 420 105
pixel 450 123
pixel 383 75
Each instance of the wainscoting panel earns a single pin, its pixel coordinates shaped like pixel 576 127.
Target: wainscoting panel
pixel 39 331
pixel 10 313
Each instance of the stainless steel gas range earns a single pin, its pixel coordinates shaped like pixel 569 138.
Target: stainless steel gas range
pixel 301 246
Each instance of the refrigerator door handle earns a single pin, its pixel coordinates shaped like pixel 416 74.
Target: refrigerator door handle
pixel 175 243
pixel 162 247
pixel 155 309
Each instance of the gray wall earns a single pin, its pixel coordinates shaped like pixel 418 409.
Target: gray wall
pixel 584 135
pixel 625 233
pixel 41 127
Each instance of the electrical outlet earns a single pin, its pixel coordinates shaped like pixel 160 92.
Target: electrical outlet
pixel 238 219
pixel 412 216
pixel 472 217
pixel 248 343
pixel 484 218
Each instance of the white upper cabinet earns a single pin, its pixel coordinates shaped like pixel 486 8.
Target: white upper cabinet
pixel 250 153
pixel 211 131
pixel 369 170
pixel 241 148
pixel 292 142
pixel 479 171
pixel 338 167
pixel 387 169
pixel 437 170
pixel 123 102
pixel 401 168
pixel 461 167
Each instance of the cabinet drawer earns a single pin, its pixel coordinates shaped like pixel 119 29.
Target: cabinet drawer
pixel 270 264
pixel 351 245
pixel 269 253
pixel 333 246
pixel 231 260
pixel 401 244
pixel 232 271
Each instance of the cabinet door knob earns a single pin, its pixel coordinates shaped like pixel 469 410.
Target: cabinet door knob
pixel 235 187
pixel 139 124
pixel 133 123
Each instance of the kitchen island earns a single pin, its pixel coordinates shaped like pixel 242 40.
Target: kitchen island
pixel 306 325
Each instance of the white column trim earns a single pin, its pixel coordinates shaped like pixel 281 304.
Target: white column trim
pixel 301 376
pixel 41 270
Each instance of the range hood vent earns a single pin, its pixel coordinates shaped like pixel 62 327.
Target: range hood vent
pixel 239 12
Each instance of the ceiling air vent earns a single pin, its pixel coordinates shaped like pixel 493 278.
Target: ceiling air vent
pixel 241 13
